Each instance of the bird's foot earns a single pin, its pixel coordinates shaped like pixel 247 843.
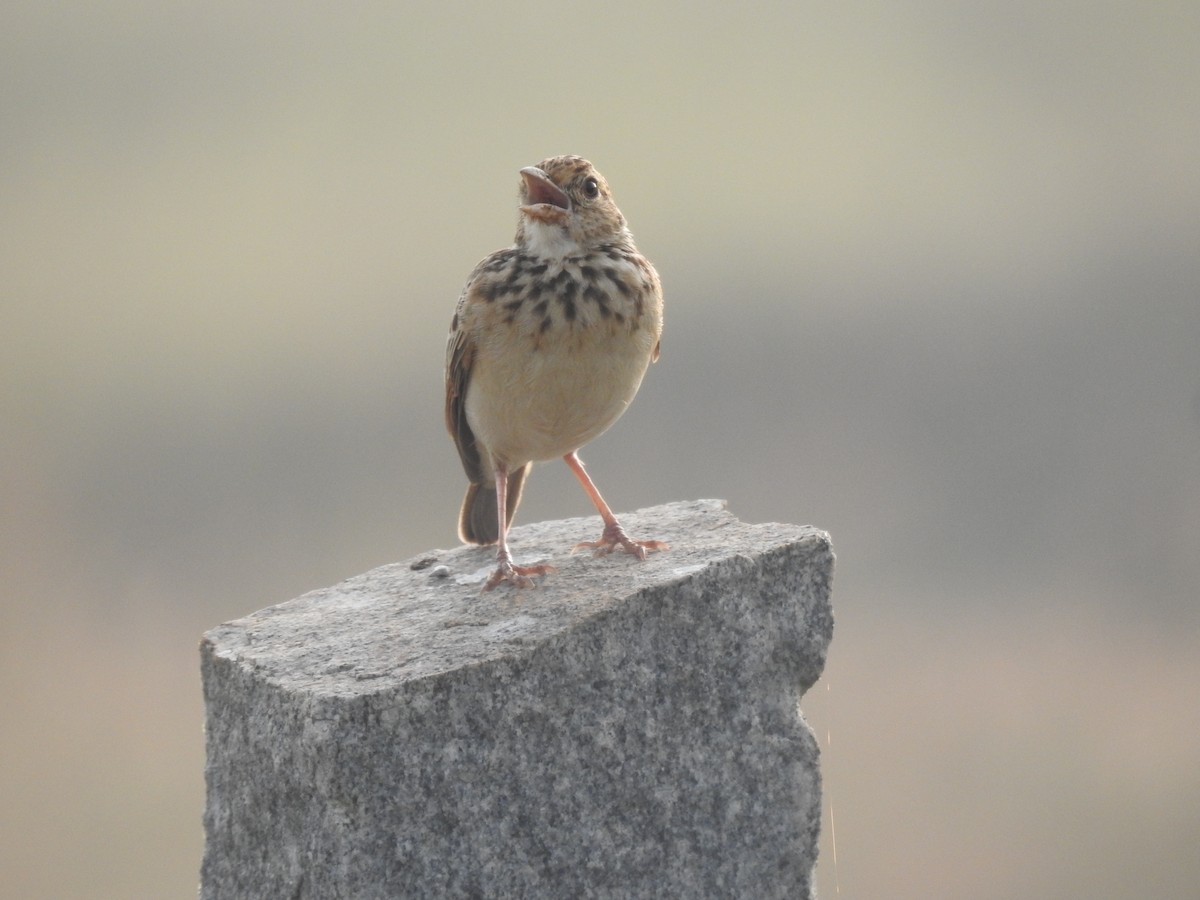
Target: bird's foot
pixel 614 538
pixel 517 576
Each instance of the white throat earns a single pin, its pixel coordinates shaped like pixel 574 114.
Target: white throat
pixel 548 241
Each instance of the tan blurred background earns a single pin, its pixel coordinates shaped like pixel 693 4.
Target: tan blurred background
pixel 933 284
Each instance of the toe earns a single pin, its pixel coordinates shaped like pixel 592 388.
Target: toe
pixel 517 576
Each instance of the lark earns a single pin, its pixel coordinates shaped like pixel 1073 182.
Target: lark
pixel 548 346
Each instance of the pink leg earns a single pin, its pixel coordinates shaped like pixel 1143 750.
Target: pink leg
pixel 614 535
pixel 505 569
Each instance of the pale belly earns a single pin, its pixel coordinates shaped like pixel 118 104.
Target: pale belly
pixel 553 399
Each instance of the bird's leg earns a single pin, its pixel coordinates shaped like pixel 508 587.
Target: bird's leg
pixel 614 535
pixel 505 569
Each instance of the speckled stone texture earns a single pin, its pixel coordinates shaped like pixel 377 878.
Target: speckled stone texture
pixel 627 729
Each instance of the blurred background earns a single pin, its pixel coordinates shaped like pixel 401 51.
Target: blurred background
pixel 933 284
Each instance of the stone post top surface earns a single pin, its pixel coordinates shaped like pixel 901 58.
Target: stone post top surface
pixel 414 619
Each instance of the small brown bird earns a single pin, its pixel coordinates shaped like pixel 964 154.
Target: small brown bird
pixel 548 346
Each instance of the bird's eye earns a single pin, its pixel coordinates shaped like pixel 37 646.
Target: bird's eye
pixel 591 189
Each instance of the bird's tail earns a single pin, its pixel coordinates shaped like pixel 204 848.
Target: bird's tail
pixel 478 522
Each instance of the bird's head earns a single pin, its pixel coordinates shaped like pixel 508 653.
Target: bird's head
pixel 566 205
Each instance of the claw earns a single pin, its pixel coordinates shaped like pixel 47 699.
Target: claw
pixel 517 576
pixel 614 538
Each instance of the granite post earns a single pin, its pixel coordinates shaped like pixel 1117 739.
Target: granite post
pixel 626 729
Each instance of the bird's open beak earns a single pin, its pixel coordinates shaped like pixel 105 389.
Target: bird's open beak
pixel 546 202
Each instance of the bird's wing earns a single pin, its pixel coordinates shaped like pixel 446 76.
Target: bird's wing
pixel 460 356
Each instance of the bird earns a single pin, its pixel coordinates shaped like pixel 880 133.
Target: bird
pixel 548 345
